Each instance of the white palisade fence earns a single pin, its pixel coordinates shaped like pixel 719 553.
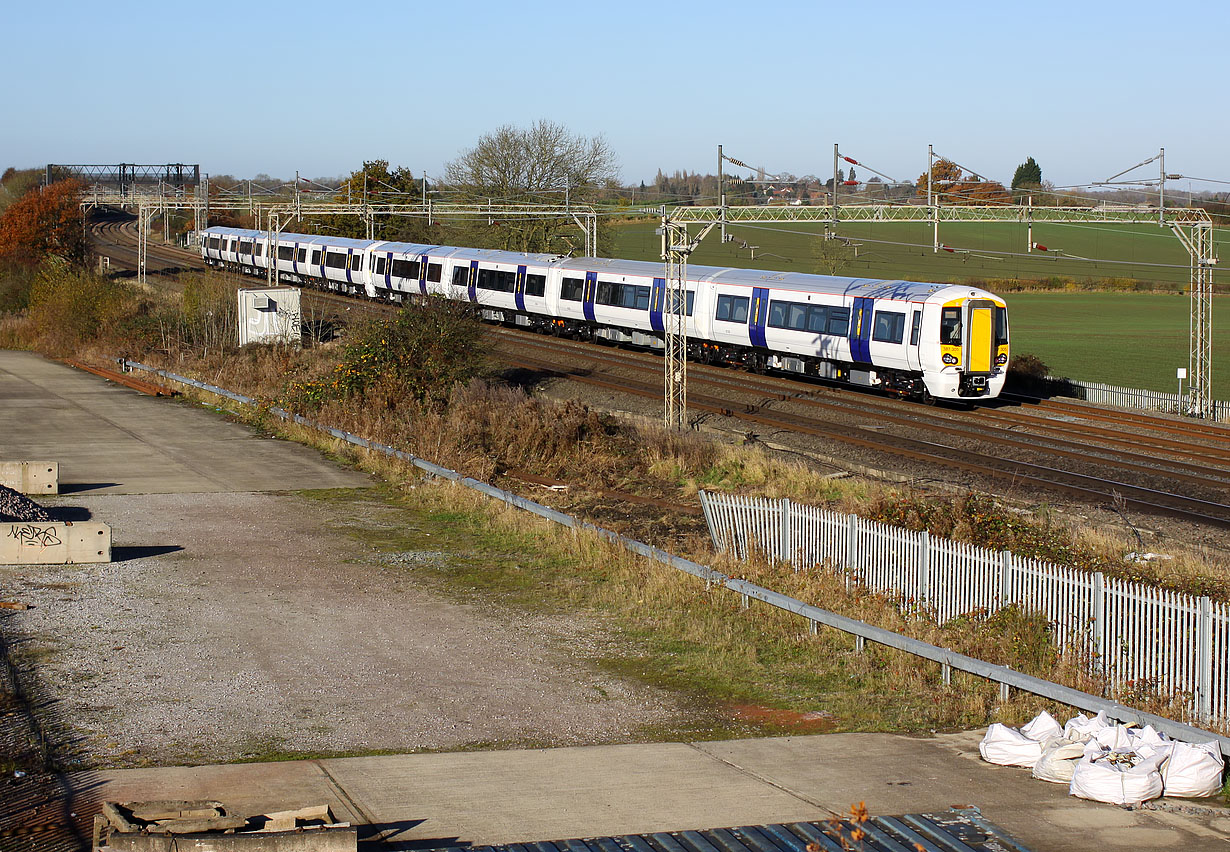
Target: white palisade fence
pixel 1146 400
pixel 1141 637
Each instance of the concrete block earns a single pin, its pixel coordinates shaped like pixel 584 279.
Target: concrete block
pixel 31 477
pixel 38 543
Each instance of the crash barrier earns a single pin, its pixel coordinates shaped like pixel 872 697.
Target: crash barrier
pixel 31 477
pixel 948 660
pixel 1133 632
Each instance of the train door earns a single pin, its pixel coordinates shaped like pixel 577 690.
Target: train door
pixel 860 330
pixel 588 295
pixel 519 289
pixel 657 298
pixel 912 357
pixel 758 315
pixel 473 287
pixel 980 342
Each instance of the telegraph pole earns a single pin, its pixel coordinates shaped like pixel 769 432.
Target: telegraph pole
pixel 722 192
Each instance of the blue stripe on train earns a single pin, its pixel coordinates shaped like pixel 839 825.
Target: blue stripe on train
pixel 860 329
pixel 473 289
pixel 758 315
pixel 591 288
pixel 657 298
pixel 520 287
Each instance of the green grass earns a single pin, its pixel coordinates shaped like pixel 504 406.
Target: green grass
pixel 903 250
pixel 1131 339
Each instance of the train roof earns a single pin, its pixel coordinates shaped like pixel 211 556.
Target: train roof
pixel 834 285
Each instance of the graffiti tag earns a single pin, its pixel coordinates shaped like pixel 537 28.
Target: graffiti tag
pixel 29 535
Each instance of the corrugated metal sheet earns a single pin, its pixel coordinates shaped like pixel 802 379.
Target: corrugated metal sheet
pixel 952 831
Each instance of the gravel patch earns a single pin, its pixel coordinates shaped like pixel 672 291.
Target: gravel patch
pixel 16 507
pixel 250 625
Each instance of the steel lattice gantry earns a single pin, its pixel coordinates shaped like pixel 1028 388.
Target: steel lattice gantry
pixel 124 176
pixel 1196 235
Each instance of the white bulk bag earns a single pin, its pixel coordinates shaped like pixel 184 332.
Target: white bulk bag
pixel 1009 747
pixel 1080 727
pixel 1193 770
pixel 1042 728
pixel 1118 777
pixel 1058 760
pixel 1113 738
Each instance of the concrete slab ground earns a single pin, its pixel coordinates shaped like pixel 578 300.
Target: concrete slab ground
pixel 109 439
pixel 416 801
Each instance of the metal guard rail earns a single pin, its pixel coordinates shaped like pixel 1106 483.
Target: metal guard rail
pixel 943 656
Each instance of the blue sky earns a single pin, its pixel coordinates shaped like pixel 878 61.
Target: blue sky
pixel 242 88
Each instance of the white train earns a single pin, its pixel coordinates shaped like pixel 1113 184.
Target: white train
pixel 926 341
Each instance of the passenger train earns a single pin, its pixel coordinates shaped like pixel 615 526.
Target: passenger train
pixel 912 339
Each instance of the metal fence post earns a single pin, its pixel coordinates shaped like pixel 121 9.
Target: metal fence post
pixel 924 567
pixel 784 542
pixel 1099 618
pixel 718 544
pixel 1204 659
pixel 1005 578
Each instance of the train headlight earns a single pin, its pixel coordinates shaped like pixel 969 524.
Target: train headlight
pixel 949 359
pixel 1001 359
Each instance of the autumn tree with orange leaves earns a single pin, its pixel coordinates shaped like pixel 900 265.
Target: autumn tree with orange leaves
pixel 44 223
pixel 953 186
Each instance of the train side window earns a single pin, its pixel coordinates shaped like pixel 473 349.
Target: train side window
pixel 301 255
pixel 507 281
pixel 381 265
pixel 286 252
pixel 916 328
pixel 1001 326
pixel 796 317
pixel 950 326
pixel 356 262
pixel 732 308
pixel 461 276
pixel 888 328
pixel 404 268
pixel 433 272
pixel 817 318
pixel 642 298
pixel 535 285
pixel 260 249
pixel 839 322
pixel 572 289
pixel 315 257
pixel 245 248
pixel 777 314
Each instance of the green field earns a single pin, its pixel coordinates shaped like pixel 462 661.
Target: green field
pixel 1134 339
pixel 903 250
pixel 1131 339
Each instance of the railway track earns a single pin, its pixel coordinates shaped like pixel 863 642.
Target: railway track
pixel 1160 466
pixel 114 235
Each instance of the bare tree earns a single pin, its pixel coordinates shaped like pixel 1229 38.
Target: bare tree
pixel 540 164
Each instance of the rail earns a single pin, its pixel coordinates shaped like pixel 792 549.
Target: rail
pixel 949 660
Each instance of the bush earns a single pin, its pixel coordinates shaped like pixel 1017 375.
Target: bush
pixel 416 357
pixel 1027 374
pixel 70 306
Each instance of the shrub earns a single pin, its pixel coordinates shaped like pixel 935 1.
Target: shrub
pixel 415 357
